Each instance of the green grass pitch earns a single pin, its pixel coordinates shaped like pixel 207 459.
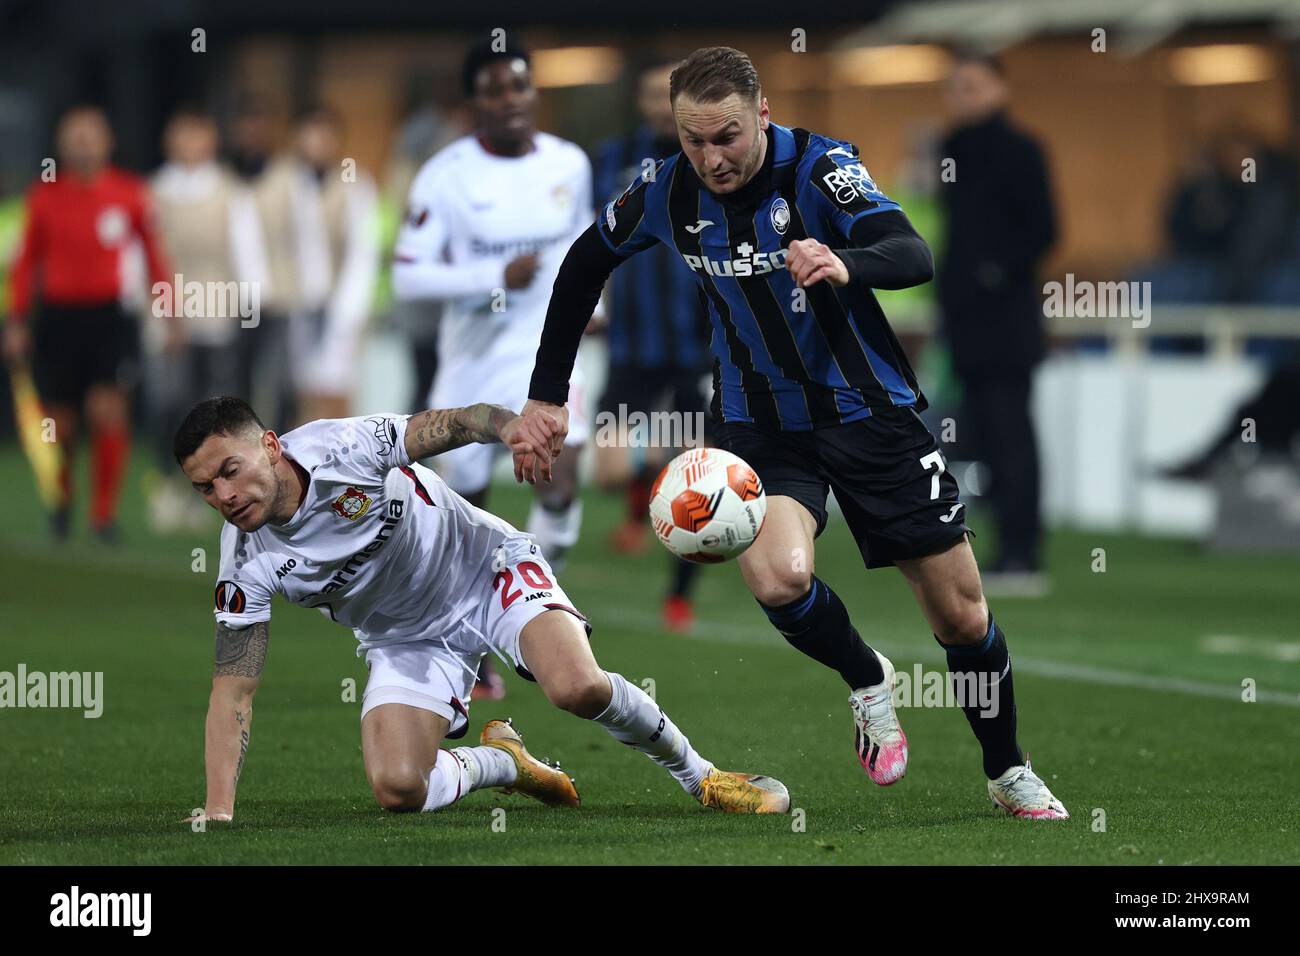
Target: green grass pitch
pixel 1124 710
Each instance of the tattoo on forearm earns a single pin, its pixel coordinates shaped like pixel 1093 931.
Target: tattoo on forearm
pixel 442 429
pixel 241 651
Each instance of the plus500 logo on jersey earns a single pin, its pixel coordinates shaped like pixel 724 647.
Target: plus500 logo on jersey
pixel 747 263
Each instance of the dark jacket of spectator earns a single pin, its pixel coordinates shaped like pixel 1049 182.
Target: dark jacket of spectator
pixel 1000 223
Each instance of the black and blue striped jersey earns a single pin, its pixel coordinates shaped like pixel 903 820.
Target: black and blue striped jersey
pixel 786 358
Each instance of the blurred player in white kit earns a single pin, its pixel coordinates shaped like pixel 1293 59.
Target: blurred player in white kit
pixel 489 220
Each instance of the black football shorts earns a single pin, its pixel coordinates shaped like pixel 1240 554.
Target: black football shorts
pixel 76 347
pixel 888 474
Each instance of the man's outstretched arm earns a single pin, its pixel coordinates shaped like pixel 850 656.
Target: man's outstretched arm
pixel 442 429
pixel 437 430
pixel 240 655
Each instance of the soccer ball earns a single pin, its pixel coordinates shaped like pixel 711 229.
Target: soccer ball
pixel 707 505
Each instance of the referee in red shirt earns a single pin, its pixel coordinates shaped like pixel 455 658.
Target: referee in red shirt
pixel 65 308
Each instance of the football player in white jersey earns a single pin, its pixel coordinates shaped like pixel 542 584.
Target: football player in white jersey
pixel 489 220
pixel 339 516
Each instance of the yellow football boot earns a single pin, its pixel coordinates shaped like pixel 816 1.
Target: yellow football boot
pixel 734 792
pixel 551 785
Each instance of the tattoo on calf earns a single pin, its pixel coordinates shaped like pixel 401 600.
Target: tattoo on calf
pixel 241 651
pixel 243 750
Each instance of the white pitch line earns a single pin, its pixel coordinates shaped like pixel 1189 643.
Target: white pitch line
pixel 1286 652
pixel 729 633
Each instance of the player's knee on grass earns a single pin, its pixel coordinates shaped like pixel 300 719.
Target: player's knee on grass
pixel 400 787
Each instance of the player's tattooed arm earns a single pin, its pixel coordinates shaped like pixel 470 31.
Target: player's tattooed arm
pixel 442 429
pixel 241 651
pixel 240 656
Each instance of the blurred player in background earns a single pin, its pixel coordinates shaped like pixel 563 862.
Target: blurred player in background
pixel 66 306
pixel 425 130
pixel 264 348
pixel 341 517
pixel 208 220
pixel 658 340
pixel 322 240
pixel 488 222
pixel 813 390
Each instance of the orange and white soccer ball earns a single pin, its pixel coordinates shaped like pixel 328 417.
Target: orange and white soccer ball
pixel 707 505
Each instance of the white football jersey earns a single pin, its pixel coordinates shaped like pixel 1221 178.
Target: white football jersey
pixel 470 213
pixel 378 544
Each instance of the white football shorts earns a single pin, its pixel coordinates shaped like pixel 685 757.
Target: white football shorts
pixel 438 674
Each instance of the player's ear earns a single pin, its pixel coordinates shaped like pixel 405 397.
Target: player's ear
pixel 271 442
pixel 764 114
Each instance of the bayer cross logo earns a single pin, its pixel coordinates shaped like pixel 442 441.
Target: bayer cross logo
pixel 352 504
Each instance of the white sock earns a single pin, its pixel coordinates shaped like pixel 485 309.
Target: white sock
pixel 634 719
pixel 488 766
pixel 464 770
pixel 556 531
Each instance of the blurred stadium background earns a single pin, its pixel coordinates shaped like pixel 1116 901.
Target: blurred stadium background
pixel 1178 87
pixel 1199 592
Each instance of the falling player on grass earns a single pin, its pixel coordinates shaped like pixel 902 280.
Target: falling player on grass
pixel 338 515
pixel 787 234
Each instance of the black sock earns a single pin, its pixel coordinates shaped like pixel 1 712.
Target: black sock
pixel 984 688
pixel 817 624
pixel 683 573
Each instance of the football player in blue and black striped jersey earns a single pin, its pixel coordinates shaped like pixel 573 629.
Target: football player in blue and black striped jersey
pixel 787 235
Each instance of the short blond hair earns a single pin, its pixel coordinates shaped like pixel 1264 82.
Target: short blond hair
pixel 712 73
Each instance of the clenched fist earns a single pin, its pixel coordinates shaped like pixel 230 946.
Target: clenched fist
pixel 810 261
pixel 541 431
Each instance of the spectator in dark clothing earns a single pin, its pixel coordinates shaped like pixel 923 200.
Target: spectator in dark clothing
pixel 1235 215
pixel 1000 224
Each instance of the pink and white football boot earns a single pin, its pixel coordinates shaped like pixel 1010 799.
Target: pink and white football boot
pixel 1022 793
pixel 878 738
